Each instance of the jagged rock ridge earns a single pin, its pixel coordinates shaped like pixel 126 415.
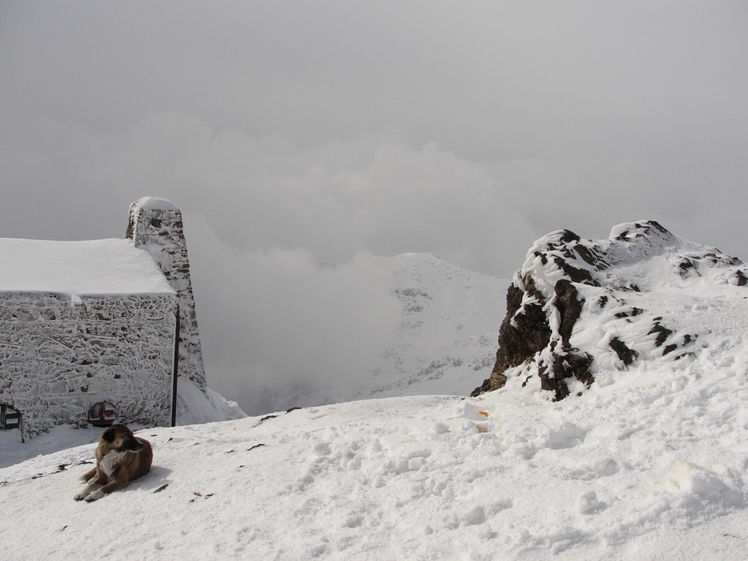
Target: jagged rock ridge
pixel 577 306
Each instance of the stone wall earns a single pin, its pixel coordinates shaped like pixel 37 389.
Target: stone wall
pixel 156 225
pixel 59 356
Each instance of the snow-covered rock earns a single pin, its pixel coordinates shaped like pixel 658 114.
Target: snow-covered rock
pixel 644 295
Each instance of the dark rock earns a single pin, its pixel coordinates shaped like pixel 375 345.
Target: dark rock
pixel 633 312
pixel 626 355
pixel 662 333
pixel 569 305
pixel 573 364
pixel 522 334
pixel 643 229
pixel 568 236
pixel 575 274
pixel 526 331
pixel 483 388
pixel 687 267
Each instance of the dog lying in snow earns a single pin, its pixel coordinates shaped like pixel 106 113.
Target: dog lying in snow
pixel 120 457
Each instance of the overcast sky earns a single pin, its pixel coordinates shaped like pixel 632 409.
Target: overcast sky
pixel 297 135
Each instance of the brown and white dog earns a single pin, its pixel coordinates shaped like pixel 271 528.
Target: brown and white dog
pixel 120 457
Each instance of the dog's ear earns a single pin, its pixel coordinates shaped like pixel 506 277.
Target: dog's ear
pixel 109 435
pixel 135 445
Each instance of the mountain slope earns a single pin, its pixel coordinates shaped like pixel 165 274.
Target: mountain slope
pixel 447 335
pixel 442 340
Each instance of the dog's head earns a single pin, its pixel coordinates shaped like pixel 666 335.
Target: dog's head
pixel 121 439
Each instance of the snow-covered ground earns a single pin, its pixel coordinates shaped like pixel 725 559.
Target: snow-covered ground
pixel 649 463
pixel 649 467
pixel 193 406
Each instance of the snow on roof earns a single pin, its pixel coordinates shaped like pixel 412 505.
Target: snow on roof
pixel 155 203
pixel 111 266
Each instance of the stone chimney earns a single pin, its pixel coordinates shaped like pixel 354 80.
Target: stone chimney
pixel 155 225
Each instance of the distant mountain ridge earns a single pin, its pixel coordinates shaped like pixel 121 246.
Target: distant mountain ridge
pixel 441 341
pixel 447 334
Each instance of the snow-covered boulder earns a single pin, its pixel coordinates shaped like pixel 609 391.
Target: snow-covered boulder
pixel 578 306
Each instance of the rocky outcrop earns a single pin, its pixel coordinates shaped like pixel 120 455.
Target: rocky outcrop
pixel 577 305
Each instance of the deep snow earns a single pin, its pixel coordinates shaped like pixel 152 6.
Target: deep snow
pixel 109 266
pixel 649 463
pixel 651 467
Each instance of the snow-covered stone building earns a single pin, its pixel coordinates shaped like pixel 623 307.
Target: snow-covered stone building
pixel 93 331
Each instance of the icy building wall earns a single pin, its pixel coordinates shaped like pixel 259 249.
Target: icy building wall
pixel 59 356
pixel 156 226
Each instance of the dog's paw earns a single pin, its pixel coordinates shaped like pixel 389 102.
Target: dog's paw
pixel 95 496
pixel 80 496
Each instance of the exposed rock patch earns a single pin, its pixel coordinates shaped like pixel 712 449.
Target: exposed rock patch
pixel 626 355
pixel 577 305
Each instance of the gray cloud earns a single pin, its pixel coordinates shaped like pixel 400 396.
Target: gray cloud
pixel 282 330
pixel 303 139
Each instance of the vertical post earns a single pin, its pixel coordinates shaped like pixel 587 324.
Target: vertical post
pixel 175 372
